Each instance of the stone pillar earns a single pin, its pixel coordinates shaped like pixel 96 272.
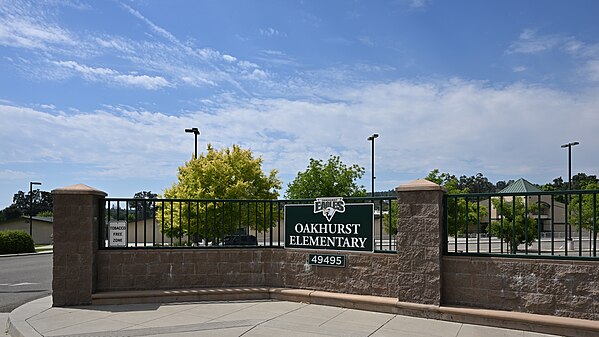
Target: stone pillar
pixel 76 231
pixel 419 241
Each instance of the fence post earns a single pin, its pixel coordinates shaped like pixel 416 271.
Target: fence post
pixel 76 220
pixel 419 241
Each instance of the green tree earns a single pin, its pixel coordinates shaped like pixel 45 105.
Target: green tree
pixel 476 184
pixel 231 173
pixel 458 220
pixel 10 212
pixel 390 224
pixel 330 179
pixel 517 226
pixel 582 207
pixel 45 214
pixel 42 201
pixel 143 209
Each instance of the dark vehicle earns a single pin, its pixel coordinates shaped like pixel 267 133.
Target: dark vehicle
pixel 240 240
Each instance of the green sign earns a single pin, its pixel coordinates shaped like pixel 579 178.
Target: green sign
pixel 330 223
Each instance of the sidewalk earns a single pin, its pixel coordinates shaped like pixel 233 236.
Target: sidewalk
pixel 232 318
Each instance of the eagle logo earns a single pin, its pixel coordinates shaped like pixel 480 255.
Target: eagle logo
pixel 329 206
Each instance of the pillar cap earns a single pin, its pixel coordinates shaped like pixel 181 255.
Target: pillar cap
pixel 79 189
pixel 420 185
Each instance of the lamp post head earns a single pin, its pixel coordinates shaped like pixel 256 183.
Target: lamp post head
pixel 376 135
pixel 570 144
pixel 195 131
pixel 34 183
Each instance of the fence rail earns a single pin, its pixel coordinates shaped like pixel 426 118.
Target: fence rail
pixel 223 223
pixel 534 224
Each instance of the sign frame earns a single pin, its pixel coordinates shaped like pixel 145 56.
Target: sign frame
pixel 114 233
pixel 360 232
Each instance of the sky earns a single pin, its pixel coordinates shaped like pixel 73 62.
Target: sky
pixel 100 92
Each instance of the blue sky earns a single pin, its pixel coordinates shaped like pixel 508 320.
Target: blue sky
pixel 100 92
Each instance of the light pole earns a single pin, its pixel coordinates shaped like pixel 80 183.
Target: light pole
pixel 31 183
pixel 196 132
pixel 371 138
pixel 569 146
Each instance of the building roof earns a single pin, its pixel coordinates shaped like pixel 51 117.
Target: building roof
pixel 520 186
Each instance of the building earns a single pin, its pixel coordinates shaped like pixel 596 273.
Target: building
pixel 544 208
pixel 42 227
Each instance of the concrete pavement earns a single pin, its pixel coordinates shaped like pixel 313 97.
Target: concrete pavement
pixel 230 318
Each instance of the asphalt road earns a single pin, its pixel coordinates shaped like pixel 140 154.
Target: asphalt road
pixel 23 279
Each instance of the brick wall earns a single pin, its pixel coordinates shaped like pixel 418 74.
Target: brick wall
pixel 365 274
pixel 418 273
pixel 550 287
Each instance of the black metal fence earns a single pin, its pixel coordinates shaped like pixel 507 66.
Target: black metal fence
pixel 536 225
pixel 194 223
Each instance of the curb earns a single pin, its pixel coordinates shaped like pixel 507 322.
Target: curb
pixel 17 325
pixel 555 325
pixel 27 254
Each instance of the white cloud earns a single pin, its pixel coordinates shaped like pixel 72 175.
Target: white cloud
pixel 454 125
pixel 585 55
pixel 246 64
pixel 530 43
pixel 271 32
pixel 519 69
pixel 31 25
pixel 31 32
pixel 593 70
pixel 11 175
pixel 113 76
pixel 418 3
pixel 85 70
pixel 257 74
pixel 367 41
pixel 143 81
pixel 229 58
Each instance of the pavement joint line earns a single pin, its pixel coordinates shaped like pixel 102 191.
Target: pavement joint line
pixel 271 319
pixel 332 318
pixel 382 325
pixel 232 312
pixel 165 329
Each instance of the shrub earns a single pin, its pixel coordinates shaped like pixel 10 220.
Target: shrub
pixel 14 242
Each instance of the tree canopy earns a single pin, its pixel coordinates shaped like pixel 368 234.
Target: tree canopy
pixel 229 173
pixel 330 179
pixel 458 221
pixel 42 203
pixel 516 225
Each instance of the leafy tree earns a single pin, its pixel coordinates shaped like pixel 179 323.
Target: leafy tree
pixel 231 173
pixel 42 201
pixel 516 226
pixel 10 212
pixel 330 179
pixel 582 207
pixel 391 224
pixel 476 184
pixel 458 221
pixel 45 214
pixel 501 184
pixel 143 209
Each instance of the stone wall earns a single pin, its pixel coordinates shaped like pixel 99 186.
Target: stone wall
pixel 542 286
pixel 420 209
pixel 364 274
pixel 76 221
pixel 418 273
